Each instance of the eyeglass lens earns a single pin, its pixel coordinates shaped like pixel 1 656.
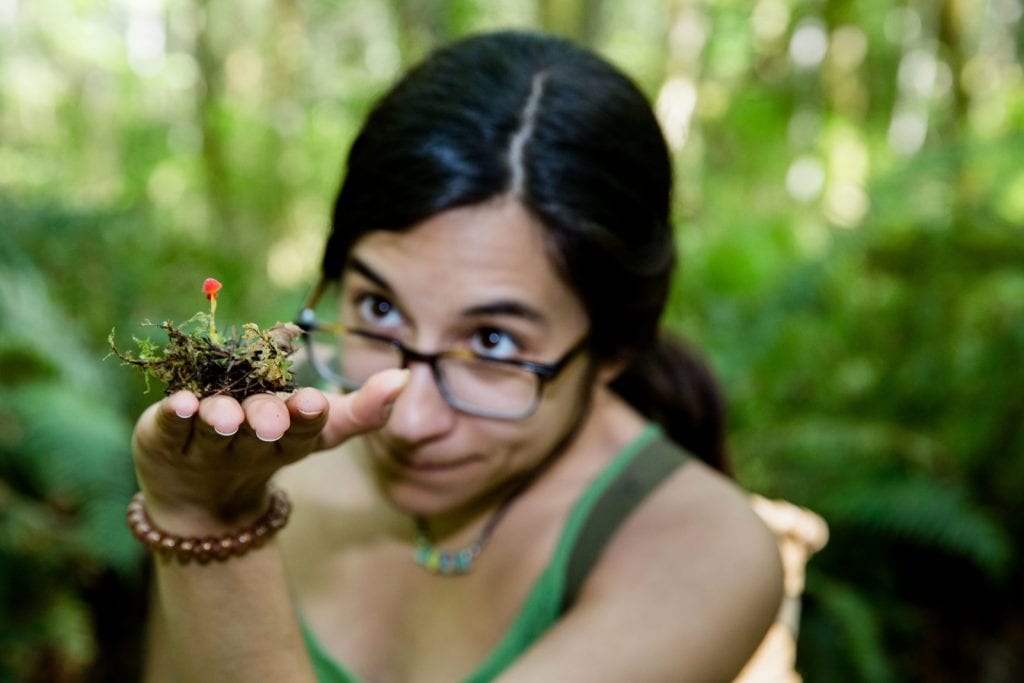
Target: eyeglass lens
pixel 471 384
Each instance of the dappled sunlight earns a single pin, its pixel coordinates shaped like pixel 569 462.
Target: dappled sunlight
pixel 8 13
pixel 675 106
pixel 805 178
pixel 848 48
pixel 770 20
pixel 244 70
pixel 848 199
pixel 145 37
pixel 808 44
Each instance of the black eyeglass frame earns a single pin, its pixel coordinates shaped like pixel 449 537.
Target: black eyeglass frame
pixel 545 372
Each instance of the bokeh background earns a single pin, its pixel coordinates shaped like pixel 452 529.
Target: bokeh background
pixel 850 201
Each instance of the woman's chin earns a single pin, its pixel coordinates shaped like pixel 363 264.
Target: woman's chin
pixel 425 494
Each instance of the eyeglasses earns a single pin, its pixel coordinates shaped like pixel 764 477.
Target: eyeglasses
pixel 471 383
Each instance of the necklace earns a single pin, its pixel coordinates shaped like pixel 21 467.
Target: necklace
pixel 445 563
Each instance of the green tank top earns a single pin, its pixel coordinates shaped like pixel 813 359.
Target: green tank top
pixel 606 502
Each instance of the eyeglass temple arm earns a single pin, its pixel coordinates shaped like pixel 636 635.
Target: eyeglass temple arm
pixel 308 322
pixel 307 316
pixel 315 295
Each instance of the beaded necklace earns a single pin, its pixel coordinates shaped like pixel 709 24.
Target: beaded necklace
pixel 445 563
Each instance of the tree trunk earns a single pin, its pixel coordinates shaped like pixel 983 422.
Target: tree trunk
pixel 215 164
pixel 580 20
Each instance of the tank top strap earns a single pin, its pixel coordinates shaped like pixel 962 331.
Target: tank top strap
pixel 652 464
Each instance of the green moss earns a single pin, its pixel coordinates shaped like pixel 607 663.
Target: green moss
pixel 255 361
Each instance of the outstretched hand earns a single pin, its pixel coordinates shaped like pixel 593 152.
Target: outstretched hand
pixel 206 463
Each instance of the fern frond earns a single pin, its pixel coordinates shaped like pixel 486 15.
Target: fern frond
pixel 927 512
pixel 858 623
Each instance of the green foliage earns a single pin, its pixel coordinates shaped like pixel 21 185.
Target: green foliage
pixel 65 478
pixel 849 200
pixel 878 387
pixel 856 625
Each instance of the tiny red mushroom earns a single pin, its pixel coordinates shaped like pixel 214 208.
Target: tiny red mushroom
pixel 210 289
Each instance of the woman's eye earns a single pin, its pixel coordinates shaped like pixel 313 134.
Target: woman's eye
pixel 377 311
pixel 494 343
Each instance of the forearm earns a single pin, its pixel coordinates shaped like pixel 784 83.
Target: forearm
pixel 226 621
pixel 203 468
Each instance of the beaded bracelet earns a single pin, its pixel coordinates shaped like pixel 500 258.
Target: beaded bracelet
pixel 204 549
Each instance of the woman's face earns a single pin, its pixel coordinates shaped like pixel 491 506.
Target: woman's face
pixel 474 278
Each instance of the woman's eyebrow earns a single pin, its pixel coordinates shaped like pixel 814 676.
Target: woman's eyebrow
pixel 501 307
pixel 506 307
pixel 369 273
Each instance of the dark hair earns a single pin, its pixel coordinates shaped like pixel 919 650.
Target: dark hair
pixel 576 142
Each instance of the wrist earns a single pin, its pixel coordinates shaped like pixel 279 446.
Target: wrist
pixel 208 545
pixel 197 508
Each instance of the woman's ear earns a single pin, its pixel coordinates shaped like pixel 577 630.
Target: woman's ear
pixel 609 369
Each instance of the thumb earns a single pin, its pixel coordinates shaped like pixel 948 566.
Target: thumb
pixel 362 410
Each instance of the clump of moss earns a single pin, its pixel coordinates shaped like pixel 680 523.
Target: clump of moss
pixel 199 359
pixel 254 362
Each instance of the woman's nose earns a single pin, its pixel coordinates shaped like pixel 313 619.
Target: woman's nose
pixel 420 413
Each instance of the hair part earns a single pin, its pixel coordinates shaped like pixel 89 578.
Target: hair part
pixel 517 170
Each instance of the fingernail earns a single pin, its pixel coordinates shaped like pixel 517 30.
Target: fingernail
pixel 393 380
pixel 268 439
pixel 216 429
pixel 183 415
pixel 398 381
pixel 403 378
pixel 310 413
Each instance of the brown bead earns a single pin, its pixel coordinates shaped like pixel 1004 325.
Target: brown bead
pixel 204 550
pixel 225 547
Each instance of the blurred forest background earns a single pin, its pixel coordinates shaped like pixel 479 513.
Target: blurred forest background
pixel 850 202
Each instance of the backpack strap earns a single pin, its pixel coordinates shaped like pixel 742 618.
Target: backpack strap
pixel 650 467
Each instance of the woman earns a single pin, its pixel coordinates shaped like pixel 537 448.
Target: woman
pixel 502 493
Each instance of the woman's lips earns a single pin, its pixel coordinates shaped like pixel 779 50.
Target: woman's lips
pixel 421 465
pixel 411 463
